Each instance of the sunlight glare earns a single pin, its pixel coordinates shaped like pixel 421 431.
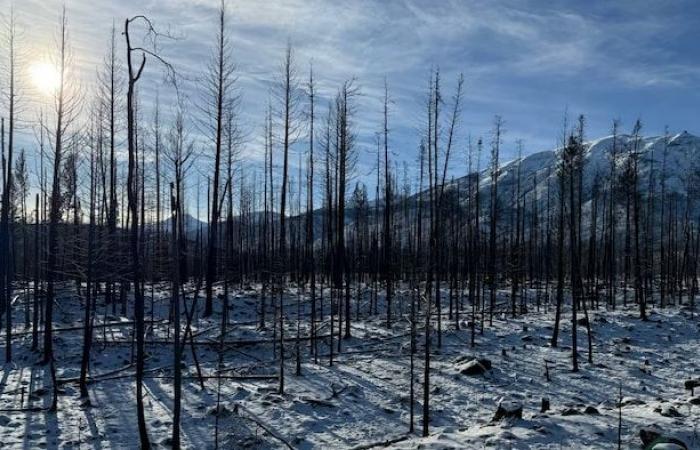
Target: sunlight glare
pixel 45 77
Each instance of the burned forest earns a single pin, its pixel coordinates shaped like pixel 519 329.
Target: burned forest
pixel 239 244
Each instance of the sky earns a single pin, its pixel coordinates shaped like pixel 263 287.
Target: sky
pixel 527 61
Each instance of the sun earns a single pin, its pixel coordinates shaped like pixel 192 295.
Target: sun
pixel 45 77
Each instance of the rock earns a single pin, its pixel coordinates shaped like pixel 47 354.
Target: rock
pixel 223 411
pixel 694 401
pixel 582 322
pixel 649 434
pixel 508 409
pixel 42 391
pixel 653 438
pixel 665 443
pixel 570 412
pixel 591 410
pixel 462 358
pixel 4 420
pixel 627 401
pixel 508 436
pixel 475 367
pixel 669 411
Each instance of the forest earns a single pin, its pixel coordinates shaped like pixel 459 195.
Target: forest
pixel 292 301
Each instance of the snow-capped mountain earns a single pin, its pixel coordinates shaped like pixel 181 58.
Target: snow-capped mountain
pixel 680 170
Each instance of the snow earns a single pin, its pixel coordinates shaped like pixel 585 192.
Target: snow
pixel 363 398
pixel 682 160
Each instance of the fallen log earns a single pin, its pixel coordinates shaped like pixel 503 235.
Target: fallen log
pixel 384 443
pixel 240 343
pixel 252 417
pixel 82 327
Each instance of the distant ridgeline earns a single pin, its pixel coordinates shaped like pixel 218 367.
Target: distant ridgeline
pixel 669 164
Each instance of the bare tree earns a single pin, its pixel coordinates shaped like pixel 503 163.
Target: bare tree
pixel 218 89
pixel 288 96
pixel 493 224
pixel 67 105
pixel 134 74
pixel 388 226
pixel 87 331
pixel 6 271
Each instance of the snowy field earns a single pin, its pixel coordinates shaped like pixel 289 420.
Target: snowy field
pixel 362 401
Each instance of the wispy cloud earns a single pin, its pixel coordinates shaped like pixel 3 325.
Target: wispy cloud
pixel 524 60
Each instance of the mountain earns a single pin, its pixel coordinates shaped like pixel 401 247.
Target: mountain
pixel 681 170
pixel 192 225
pixel 681 174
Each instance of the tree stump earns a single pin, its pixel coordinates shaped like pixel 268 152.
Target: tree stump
pixel 508 410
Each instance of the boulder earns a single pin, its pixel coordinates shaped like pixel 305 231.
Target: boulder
pixel 669 411
pixel 591 410
pixel 668 444
pixel 475 367
pixel 223 411
pixel 627 401
pixel 508 409
pixel 653 439
pixel 649 434
pixel 570 412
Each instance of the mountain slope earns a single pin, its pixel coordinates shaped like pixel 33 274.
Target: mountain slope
pixel 680 172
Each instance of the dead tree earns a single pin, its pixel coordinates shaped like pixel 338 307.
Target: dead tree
pixel 633 177
pixel 177 357
pixel 67 108
pixel 288 96
pixel 493 224
pixel 134 73
pixel 6 271
pixel 310 251
pixel 87 330
pixel 219 84
pixel 387 236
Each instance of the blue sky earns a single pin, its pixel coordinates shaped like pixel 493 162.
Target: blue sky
pixel 527 61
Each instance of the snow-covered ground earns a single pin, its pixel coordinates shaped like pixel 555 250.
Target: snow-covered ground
pixel 363 398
